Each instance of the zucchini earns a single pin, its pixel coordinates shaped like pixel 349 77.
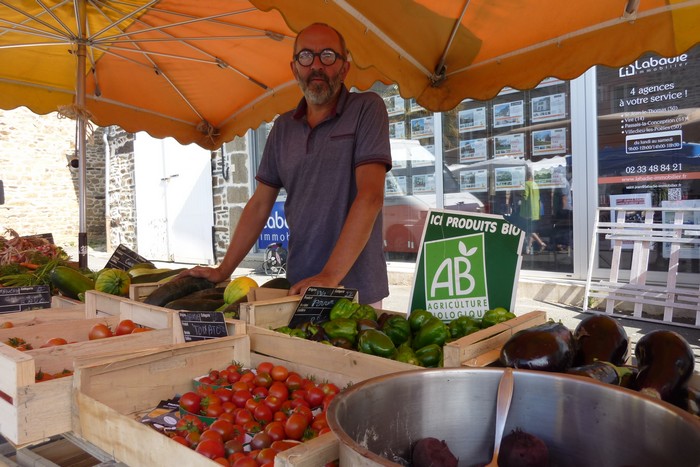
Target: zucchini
pixel 217 293
pixel 177 288
pixel 194 304
pixel 277 283
pixel 71 282
pixel 155 276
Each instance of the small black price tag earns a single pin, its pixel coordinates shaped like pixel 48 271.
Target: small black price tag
pixel 199 325
pixel 315 306
pixel 24 298
pixel 123 258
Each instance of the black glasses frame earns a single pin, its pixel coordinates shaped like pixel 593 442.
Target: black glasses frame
pixel 327 57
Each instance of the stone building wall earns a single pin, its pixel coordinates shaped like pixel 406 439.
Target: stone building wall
pixel 121 190
pixel 40 187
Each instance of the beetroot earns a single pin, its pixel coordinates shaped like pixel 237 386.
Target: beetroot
pixel 521 449
pixel 431 452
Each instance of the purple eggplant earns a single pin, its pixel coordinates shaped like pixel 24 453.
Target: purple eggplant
pixel 665 361
pixel 606 372
pixel 546 347
pixel 600 337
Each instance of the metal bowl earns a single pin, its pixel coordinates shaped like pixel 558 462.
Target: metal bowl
pixel 582 422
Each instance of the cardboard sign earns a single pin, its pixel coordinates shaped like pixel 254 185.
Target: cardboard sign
pixel 200 325
pixel 315 306
pixel 123 258
pixel 24 298
pixel 468 263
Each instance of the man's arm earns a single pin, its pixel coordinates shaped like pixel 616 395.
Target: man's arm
pixel 356 230
pixel 253 219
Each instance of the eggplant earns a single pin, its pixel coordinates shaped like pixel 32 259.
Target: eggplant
pixel 545 347
pixel 665 361
pixel 429 452
pixel 606 372
pixel 600 337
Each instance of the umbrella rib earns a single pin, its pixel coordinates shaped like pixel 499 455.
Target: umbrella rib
pixel 558 40
pixel 122 19
pixel 439 73
pixel 381 35
pixel 65 33
pixel 260 98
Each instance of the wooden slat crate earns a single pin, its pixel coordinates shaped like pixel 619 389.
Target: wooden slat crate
pixel 31 411
pixel 125 388
pixel 45 315
pixel 483 347
pixel 59 301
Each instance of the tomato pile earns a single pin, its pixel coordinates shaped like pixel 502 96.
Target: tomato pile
pixel 125 326
pixel 256 414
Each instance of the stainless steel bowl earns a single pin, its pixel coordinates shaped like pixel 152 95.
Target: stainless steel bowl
pixel 582 422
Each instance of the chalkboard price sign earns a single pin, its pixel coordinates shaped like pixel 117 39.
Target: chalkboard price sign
pixel 24 298
pixel 315 306
pixel 123 258
pixel 198 326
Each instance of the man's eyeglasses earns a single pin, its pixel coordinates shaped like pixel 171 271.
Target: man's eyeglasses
pixel 327 57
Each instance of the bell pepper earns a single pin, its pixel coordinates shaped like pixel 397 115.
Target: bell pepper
pixel 495 316
pixel 430 356
pixel 365 312
pixel 298 333
pixel 341 327
pixel 397 328
pixel 418 318
pixel 375 342
pixel 462 326
pixel 363 324
pixel 434 331
pixel 343 308
pixel 342 342
pixel 404 353
pixel 284 330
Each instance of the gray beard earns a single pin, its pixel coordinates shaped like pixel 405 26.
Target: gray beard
pixel 319 93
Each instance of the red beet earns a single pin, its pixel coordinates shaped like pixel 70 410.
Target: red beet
pixel 521 449
pixel 431 452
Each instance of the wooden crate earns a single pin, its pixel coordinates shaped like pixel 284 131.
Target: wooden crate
pixel 270 313
pixel 45 315
pixel 59 301
pixel 31 411
pixel 483 347
pixel 123 389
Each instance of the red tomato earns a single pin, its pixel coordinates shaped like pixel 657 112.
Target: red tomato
pixel 314 396
pixel 243 416
pixel 214 410
pixel 298 394
pixel 263 379
pixel 233 376
pixel 329 388
pixel 222 461
pixel 296 402
pixel 279 390
pixel 279 416
pixel 140 329
pixel 233 446
pixel 261 440
pixel 211 434
pixel 266 455
pixel 240 397
pixel 6 325
pixel 305 411
pixel 279 373
pixel 252 427
pixel 191 402
pixel 54 341
pixel 224 427
pixel 263 413
pixel 99 331
pixel 275 430
pixel 327 401
pixel 265 367
pixel 190 423
pixel 248 378
pixel 125 326
pixel 293 381
pixel 210 448
pixel 295 426
pixel 259 392
pixel 245 462
pixel 225 394
pixel 181 440
pixel 229 407
pixel 240 386
pixel 251 404
pixel 283 445
pixel 273 402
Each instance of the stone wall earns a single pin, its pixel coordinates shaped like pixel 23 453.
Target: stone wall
pixel 40 187
pixel 121 191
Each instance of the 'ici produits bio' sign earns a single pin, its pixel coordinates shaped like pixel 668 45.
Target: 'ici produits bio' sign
pixel 276 229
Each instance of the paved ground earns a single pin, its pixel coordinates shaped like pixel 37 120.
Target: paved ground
pixel 400 296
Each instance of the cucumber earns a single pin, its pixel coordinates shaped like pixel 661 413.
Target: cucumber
pixel 190 304
pixel 177 288
pixel 70 282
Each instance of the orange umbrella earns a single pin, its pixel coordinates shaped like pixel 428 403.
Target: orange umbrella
pixel 443 51
pixel 201 71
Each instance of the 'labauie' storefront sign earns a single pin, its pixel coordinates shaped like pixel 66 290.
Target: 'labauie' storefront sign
pixel 468 263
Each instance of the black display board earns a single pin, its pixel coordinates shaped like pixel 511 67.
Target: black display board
pixel 46 236
pixel 24 298
pixel 315 306
pixel 198 325
pixel 123 258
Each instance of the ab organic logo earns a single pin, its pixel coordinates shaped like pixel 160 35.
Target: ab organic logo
pixel 455 277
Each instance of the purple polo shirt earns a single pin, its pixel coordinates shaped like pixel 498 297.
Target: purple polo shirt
pixel 316 168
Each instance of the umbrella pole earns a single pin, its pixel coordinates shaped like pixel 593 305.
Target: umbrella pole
pixel 82 134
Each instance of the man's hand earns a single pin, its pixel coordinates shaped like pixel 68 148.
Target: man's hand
pixel 214 275
pixel 319 280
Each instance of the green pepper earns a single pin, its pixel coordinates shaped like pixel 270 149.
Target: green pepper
pixel 365 312
pixel 430 356
pixel 284 330
pixel 363 324
pixel 343 308
pixel 298 333
pixel 397 328
pixel 375 342
pixel 418 318
pixel 406 354
pixel 495 316
pixel 342 342
pixel 462 326
pixel 434 331
pixel 341 327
